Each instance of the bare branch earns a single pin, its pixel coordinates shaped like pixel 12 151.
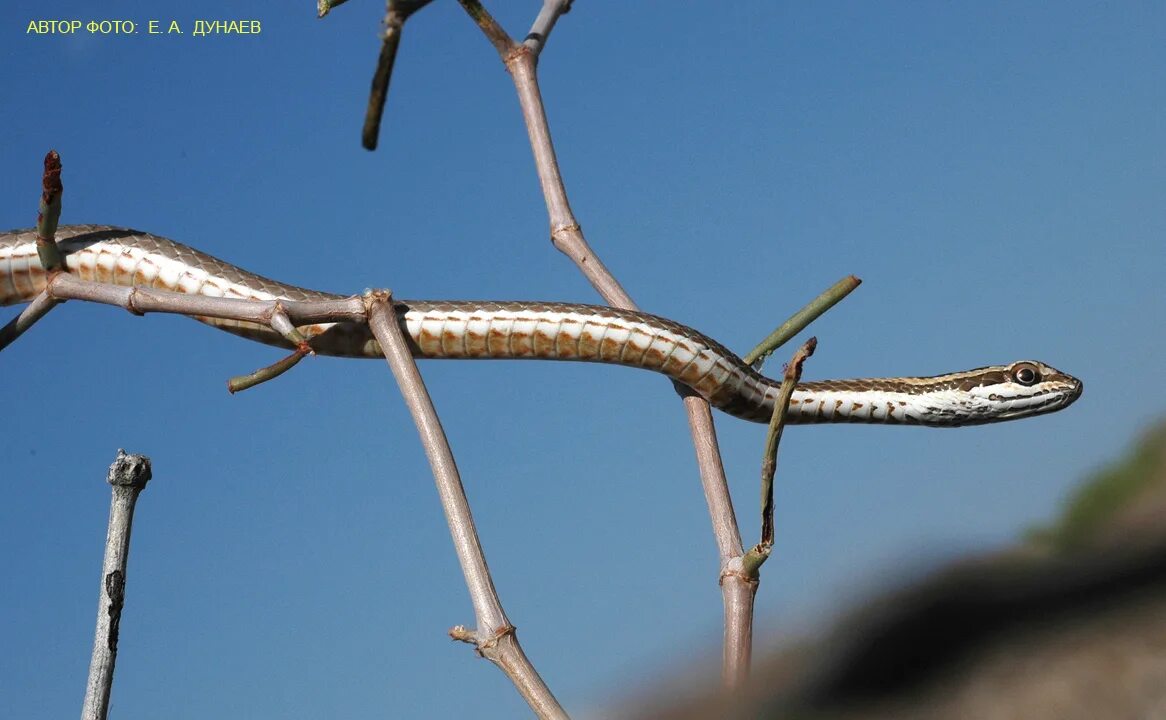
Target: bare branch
pixel 383 322
pixel 738 589
pixel 280 315
pixel 494 637
pixel 536 39
pixel 140 300
pixel 567 237
pixel 712 473
pixel 738 593
pixel 490 27
pixel 566 233
pixel 793 373
pixel 739 578
pixel 379 93
pixel 128 475
pixel 35 310
pixel 395 16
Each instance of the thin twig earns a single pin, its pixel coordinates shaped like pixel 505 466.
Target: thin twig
pixel 566 232
pixel 397 12
pixel 282 324
pixel 740 578
pixel 128 475
pixel 712 473
pixel 263 374
pixel 494 636
pixel 379 92
pixel 799 320
pixel 536 39
pixel 490 27
pixel 49 214
pixel 140 300
pixel 793 373
pixel 323 7
pixel 280 315
pixel 34 311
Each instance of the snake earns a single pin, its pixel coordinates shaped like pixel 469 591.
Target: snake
pixel 466 329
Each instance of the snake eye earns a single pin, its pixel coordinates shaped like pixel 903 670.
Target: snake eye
pixel 1026 374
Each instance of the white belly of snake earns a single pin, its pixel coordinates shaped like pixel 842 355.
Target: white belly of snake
pixel 462 329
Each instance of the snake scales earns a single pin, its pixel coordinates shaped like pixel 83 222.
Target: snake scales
pixel 551 331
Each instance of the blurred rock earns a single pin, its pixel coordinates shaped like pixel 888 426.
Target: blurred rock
pixel 1069 625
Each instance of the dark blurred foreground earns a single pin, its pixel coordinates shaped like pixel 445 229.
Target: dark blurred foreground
pixel 1071 624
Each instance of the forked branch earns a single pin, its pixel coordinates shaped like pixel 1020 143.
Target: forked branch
pixel 567 237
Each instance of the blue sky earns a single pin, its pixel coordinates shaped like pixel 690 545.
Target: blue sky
pixel 994 174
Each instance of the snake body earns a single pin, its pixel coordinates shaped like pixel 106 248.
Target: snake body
pixel 550 331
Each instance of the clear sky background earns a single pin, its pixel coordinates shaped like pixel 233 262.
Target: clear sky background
pixel 995 174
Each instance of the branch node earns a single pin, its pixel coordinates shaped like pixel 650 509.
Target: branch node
pixel 515 53
pixel 376 295
pixel 741 574
pixel 489 27
pixel 132 304
pixel 752 561
pixel 482 645
pixel 500 633
pixel 282 324
pixel 560 233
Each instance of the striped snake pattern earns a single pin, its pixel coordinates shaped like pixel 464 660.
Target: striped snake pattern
pixel 460 329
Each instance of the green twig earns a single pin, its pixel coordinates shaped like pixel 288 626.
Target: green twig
pixel 262 375
pixel 799 320
pixel 323 7
pixel 793 373
pixel 49 214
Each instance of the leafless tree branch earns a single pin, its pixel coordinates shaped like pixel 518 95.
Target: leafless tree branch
pixel 397 12
pixel 494 636
pixel 128 475
pixel 48 215
pixel 544 23
pixel 567 236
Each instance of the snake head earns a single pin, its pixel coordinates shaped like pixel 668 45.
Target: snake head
pixel 1024 388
